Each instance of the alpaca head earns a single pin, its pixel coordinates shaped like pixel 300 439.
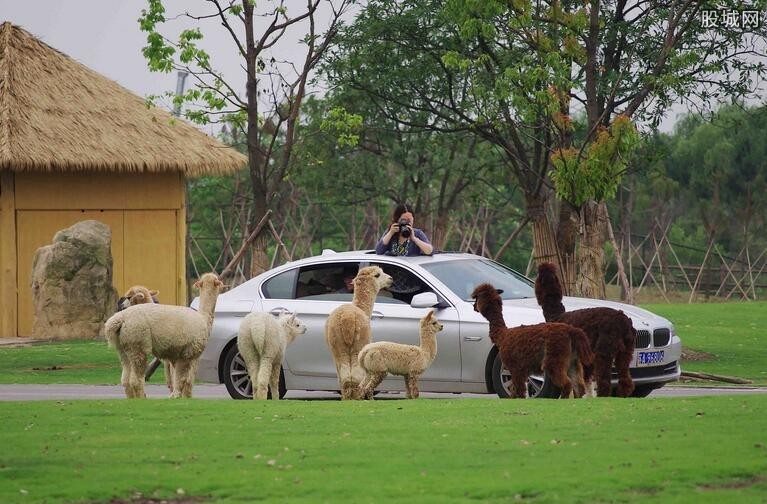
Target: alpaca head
pixel 487 299
pixel 293 326
pixel 138 294
pixel 430 324
pixel 209 282
pixel 371 277
pixel 547 283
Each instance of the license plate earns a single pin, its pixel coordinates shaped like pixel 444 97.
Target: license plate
pixel 649 358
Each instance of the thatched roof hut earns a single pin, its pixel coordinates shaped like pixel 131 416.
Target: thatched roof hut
pixel 75 145
pixel 58 115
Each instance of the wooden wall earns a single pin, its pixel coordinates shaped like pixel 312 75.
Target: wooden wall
pixel 144 211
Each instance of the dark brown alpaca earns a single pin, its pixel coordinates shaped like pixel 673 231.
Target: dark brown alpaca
pixel 610 332
pixel 559 350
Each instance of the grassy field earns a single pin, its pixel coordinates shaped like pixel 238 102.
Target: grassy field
pixel 731 334
pixel 88 362
pixel 704 449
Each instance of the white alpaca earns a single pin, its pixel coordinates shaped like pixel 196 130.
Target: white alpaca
pixel 347 328
pixel 176 334
pixel 410 361
pixel 262 340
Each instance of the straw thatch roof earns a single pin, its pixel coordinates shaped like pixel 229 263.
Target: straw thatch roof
pixel 57 114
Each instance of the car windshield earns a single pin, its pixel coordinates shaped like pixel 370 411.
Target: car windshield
pixel 463 276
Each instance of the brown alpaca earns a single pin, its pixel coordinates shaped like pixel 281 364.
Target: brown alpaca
pixel 347 329
pixel 383 357
pixel 610 332
pixel 559 350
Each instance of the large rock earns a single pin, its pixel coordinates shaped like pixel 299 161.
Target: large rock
pixel 72 283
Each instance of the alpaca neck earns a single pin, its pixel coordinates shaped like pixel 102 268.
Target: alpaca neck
pixel 552 310
pixel 364 299
pixel 429 344
pixel 495 317
pixel 207 304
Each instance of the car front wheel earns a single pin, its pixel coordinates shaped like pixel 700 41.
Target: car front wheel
pixel 236 377
pixel 537 386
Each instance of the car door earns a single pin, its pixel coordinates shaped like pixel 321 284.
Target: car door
pixel 395 320
pixel 311 292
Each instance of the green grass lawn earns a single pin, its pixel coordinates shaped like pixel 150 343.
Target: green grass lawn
pixel 87 362
pixel 703 449
pixel 734 334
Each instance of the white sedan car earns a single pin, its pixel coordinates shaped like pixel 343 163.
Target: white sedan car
pixel 467 361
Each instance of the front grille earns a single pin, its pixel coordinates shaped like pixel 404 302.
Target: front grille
pixel 643 339
pixel 661 337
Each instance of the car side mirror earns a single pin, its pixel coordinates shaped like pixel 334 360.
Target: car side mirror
pixel 424 300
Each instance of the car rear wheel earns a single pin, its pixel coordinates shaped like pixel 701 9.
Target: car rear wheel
pixel 236 376
pixel 538 387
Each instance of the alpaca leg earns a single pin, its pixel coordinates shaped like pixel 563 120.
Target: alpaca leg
pixel 602 369
pixel 184 375
pixel 168 374
pixel 175 383
pixel 374 379
pixel 274 385
pixel 358 375
pixel 622 363
pixel 125 364
pixel 518 384
pixel 363 388
pixel 253 368
pixel 411 382
pixel 137 368
pixel 575 374
pixel 264 373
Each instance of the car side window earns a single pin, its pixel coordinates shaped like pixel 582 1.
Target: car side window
pixel 405 284
pixel 325 282
pixel 281 286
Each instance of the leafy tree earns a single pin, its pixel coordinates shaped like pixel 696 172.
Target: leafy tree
pixel 514 72
pixel 268 114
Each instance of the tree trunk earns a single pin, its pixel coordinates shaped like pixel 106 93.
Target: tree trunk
pixel 545 247
pixel 439 234
pixel 591 253
pixel 567 237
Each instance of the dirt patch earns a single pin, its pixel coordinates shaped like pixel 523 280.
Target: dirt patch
pixel 73 366
pixel 735 483
pixel 139 498
pixel 690 355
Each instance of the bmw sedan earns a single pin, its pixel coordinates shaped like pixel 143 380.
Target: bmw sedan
pixel 467 361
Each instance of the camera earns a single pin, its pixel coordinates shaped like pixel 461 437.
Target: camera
pixel 404 228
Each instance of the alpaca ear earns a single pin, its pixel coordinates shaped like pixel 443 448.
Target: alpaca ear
pixel 197 284
pixel 219 283
pixel 430 315
pixel 154 293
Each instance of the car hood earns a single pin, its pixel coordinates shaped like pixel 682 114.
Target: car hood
pixel 527 311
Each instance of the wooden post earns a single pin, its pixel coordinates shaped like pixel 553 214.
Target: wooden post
pixel 183 294
pixel 8 260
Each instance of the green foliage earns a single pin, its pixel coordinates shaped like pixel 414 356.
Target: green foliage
pixel 344 125
pixel 595 173
pixel 436 450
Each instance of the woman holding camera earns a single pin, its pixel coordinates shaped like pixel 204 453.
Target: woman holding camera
pixel 402 239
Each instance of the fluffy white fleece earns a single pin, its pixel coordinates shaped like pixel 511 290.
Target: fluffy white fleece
pixel 173 333
pixel 383 357
pixel 262 340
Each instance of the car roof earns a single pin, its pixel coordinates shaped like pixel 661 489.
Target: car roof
pixel 370 255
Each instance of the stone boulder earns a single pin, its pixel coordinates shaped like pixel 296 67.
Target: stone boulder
pixel 72 283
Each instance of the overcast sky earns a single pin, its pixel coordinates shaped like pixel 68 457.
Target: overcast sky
pixel 104 35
